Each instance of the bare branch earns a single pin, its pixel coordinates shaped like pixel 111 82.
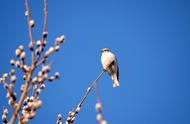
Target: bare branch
pixel 72 114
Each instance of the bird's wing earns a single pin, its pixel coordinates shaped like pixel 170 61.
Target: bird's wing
pixel 117 69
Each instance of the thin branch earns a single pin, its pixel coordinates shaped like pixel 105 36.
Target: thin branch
pixel 30 30
pixel 71 117
pixel 28 74
pixel 17 109
pixel 44 33
pixel 97 93
pixel 98 107
pixel 45 22
pixel 90 88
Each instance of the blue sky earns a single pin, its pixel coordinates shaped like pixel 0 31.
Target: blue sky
pixel 150 38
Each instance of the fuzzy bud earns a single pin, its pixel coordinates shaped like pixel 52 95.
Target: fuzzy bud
pixel 11 102
pixel 12 72
pixel 32 23
pixel 22 88
pixel 57 47
pixel 56 75
pixel 31 45
pixel 42 86
pixel 50 50
pixel 21 47
pixel 45 34
pixel 38 43
pixel 6 86
pixel 5 111
pixel 34 80
pixel 99 117
pixel 37 104
pixel 22 55
pixel 38 91
pixel 13 78
pixel 78 109
pixel 4 118
pixel 12 62
pixel 98 107
pixel 18 52
pixel 104 122
pixel 62 38
pixel 26 13
pixel 5 76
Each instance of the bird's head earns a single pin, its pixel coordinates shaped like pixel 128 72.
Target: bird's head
pixel 105 50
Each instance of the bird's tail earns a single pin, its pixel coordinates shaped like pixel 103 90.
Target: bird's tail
pixel 115 81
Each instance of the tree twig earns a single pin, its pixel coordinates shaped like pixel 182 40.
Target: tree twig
pixel 71 117
pixel 30 30
pixel 44 33
pixel 24 93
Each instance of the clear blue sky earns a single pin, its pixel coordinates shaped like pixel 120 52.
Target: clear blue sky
pixel 150 38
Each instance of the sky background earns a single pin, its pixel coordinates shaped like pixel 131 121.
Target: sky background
pixel 151 40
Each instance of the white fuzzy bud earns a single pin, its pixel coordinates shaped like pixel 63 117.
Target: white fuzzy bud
pixel 42 86
pixel 78 109
pixel 21 47
pixel 104 122
pixel 22 88
pixel 18 52
pixel 5 111
pixel 38 43
pixel 22 55
pixel 5 75
pixel 12 62
pixel 98 107
pixel 37 104
pixel 45 34
pixel 57 47
pixel 13 78
pixel 56 75
pixel 6 86
pixel 99 117
pixel 50 50
pixel 26 13
pixel 62 38
pixel 38 91
pixel 11 102
pixel 34 80
pixel 31 23
pixel 4 118
pixel 46 68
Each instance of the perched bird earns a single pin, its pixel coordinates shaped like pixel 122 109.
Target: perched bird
pixel 109 63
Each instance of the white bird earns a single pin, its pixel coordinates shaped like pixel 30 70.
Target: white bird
pixel 109 63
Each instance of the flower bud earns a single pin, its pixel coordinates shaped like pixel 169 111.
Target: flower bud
pixel 98 107
pixel 99 117
pixel 22 55
pixel 32 23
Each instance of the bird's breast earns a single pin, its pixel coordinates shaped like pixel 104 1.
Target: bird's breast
pixel 106 59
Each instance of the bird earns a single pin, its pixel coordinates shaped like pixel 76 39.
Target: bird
pixel 110 64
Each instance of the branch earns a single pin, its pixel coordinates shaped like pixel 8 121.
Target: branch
pixel 98 107
pixel 17 109
pixel 28 74
pixel 30 25
pixel 44 33
pixel 72 114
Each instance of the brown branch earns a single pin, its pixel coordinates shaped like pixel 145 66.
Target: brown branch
pixel 28 74
pixel 44 33
pixel 24 93
pixel 98 106
pixel 71 117
pixel 90 88
pixel 97 93
pixel 45 22
pixel 30 30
